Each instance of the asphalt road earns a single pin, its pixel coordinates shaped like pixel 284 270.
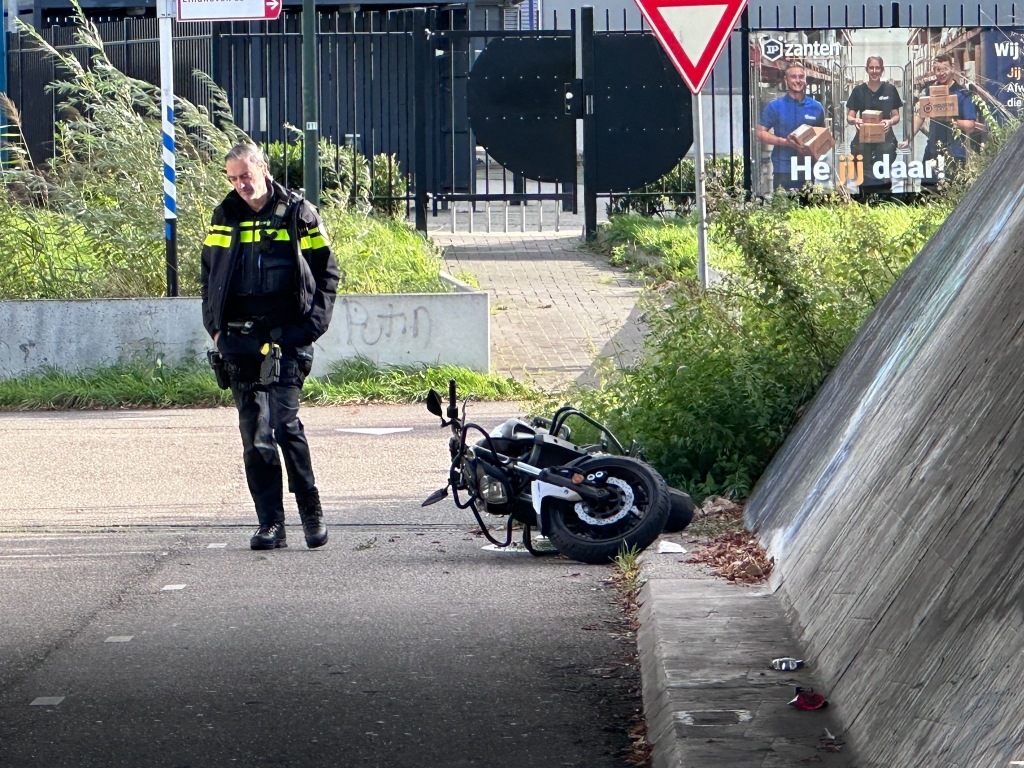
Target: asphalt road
pixel 401 643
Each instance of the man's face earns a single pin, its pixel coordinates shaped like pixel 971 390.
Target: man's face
pixel 249 178
pixel 942 72
pixel 874 70
pixel 796 80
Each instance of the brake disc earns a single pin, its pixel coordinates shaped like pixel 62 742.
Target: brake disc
pixel 625 509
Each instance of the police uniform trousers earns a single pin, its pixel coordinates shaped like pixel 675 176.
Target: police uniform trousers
pixel 268 419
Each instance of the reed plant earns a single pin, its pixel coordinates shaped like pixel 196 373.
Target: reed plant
pixel 89 223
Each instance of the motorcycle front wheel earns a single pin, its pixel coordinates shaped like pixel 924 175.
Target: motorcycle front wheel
pixel 634 516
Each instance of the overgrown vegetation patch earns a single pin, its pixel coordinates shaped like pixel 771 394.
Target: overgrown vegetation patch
pixel 727 370
pixel 146 384
pixel 89 222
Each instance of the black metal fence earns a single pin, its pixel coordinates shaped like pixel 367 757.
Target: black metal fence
pixel 367 85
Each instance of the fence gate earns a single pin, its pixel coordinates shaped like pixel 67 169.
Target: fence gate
pixel 522 103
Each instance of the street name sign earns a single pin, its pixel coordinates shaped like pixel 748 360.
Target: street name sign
pixel 692 32
pixel 228 10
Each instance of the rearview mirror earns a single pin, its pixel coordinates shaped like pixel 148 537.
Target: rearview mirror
pixel 434 404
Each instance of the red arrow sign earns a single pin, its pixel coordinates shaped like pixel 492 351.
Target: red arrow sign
pixel 271 9
pixel 692 32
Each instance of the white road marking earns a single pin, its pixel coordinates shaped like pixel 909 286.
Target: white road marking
pixel 60 555
pixel 119 639
pixel 374 430
pixel 216 546
pixel 46 701
pixel 173 586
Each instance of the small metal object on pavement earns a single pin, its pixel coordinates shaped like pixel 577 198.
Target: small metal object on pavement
pixel 787 664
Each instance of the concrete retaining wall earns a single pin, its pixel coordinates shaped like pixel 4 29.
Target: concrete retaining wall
pixel 895 511
pixel 401 329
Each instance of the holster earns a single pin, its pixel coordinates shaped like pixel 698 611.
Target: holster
pixel 270 369
pixel 217 364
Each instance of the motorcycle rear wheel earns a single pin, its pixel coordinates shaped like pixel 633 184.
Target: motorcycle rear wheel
pixel 680 513
pixel 586 542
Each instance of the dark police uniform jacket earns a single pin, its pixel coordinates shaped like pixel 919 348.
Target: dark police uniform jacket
pixel 283 277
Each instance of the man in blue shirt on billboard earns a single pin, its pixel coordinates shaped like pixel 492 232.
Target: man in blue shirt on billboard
pixel 783 116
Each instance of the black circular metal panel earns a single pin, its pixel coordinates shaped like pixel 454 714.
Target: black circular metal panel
pixel 516 105
pixel 642 111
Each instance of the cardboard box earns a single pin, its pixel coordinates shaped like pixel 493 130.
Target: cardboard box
pixel 938 90
pixel 938 106
pixel 871 133
pixel 821 144
pixel 871 116
pixel 803 134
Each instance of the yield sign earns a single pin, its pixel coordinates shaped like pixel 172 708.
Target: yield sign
pixel 692 32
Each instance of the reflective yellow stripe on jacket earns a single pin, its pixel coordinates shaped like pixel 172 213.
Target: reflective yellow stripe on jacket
pixel 314 240
pixel 249 232
pixel 255 231
pixel 218 235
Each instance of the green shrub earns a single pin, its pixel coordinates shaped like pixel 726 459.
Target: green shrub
pixel 674 191
pixel 727 370
pixel 660 250
pixel 347 178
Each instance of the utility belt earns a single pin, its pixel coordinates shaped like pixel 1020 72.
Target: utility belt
pixel 259 326
pixel 227 370
pixel 246 344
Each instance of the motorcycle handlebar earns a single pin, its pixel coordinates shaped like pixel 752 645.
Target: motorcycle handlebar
pixel 453 403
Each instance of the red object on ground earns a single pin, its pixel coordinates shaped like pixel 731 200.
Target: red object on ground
pixel 808 700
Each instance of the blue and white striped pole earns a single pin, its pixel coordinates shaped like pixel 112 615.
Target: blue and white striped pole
pixel 167 12
pixel 3 75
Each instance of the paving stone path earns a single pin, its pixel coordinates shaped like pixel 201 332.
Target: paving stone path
pixel 555 307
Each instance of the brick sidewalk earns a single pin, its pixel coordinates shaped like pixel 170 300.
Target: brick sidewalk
pixel 554 307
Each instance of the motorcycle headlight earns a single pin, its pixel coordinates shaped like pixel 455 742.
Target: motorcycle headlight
pixel 491 489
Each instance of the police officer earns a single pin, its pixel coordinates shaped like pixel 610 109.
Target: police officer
pixel 269 280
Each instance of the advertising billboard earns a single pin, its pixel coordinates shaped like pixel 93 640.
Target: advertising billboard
pixel 878 110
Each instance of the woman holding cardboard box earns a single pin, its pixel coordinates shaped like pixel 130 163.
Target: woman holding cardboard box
pixel 874 108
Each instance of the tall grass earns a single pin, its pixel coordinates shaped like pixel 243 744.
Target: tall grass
pixel 90 223
pixel 144 384
pixel 382 255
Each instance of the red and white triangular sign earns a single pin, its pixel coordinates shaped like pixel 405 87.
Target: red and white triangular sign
pixel 692 32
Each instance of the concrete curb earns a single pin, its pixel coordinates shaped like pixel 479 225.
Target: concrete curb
pixel 711 699
pixel 458 285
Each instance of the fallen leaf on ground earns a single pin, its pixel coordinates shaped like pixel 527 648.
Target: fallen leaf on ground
pixel 737 556
pixel 720 505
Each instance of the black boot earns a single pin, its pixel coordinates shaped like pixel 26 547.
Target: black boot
pixel 312 516
pixel 269 536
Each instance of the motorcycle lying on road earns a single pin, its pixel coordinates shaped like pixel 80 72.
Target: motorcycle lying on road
pixel 589 503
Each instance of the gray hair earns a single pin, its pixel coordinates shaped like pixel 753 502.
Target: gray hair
pixel 247 151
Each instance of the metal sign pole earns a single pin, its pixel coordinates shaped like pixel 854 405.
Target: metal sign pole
pixel 311 134
pixel 698 183
pixel 167 11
